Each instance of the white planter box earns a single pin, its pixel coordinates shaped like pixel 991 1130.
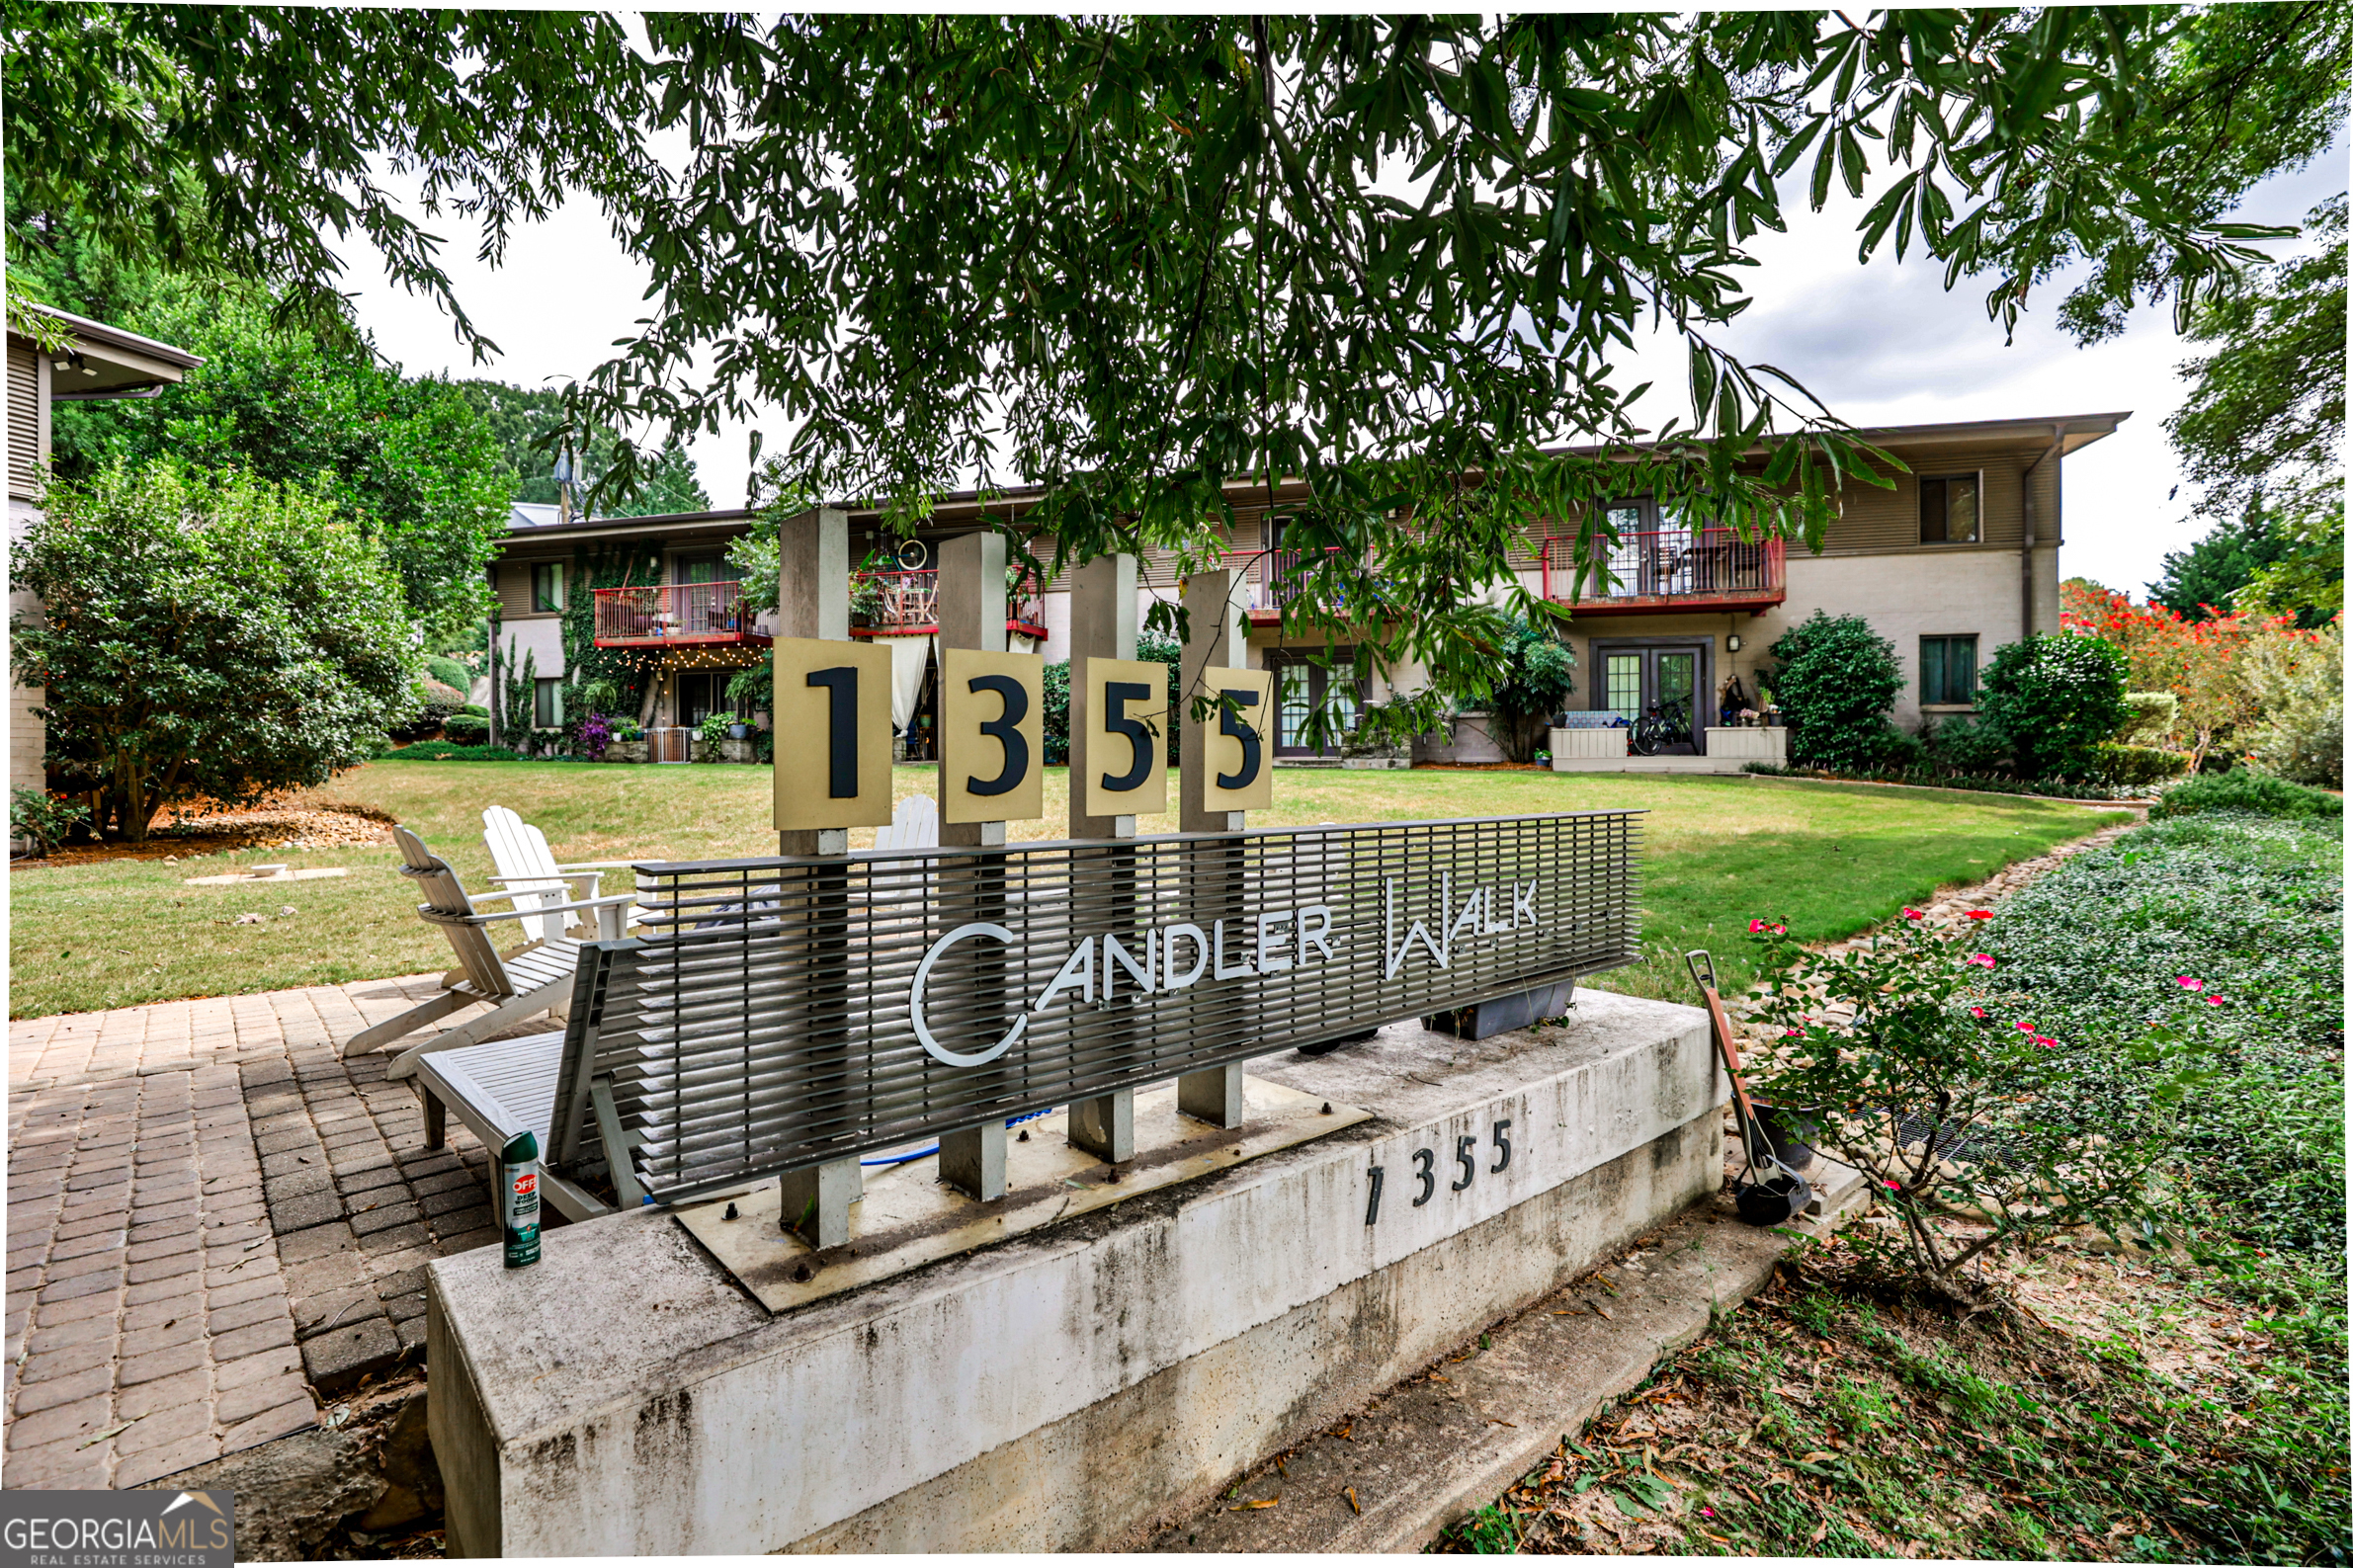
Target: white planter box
pixel 1587 745
pixel 1748 745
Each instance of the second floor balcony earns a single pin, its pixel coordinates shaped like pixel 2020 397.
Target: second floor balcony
pixel 673 614
pixel 1644 573
pixel 906 604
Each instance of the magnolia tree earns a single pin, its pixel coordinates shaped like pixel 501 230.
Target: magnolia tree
pixel 1922 1074
pixel 205 637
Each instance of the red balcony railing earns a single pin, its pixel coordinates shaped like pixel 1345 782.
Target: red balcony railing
pixel 1667 569
pixel 673 614
pixel 900 603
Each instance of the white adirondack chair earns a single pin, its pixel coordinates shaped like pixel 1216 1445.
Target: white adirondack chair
pixel 534 980
pixel 914 825
pixel 527 869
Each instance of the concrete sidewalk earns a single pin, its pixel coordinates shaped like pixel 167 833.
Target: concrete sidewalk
pixel 215 1221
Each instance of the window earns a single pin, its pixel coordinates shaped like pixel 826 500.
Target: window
pixel 546 704
pixel 546 585
pixel 1948 671
pixel 1949 509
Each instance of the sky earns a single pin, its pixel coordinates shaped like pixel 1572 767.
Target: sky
pixel 1883 344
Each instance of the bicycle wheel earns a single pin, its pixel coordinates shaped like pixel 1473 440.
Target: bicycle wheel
pixel 1644 739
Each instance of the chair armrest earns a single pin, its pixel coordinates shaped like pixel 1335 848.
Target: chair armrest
pixel 542 879
pixel 609 900
pixel 590 865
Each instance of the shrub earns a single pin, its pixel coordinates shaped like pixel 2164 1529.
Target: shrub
pixel 206 637
pixel 1835 681
pixel 1055 721
pixel 1534 671
pixel 2300 686
pixel 2114 763
pixel 714 733
pixel 449 673
pixel 477 710
pixel 2154 713
pixel 1968 745
pixel 2056 698
pixel 592 734
pixel 1931 1081
pixel 465 729
pixel 443 751
pixel 43 819
pixel 2245 790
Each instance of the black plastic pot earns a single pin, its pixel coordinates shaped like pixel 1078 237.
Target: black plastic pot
pixel 1786 1129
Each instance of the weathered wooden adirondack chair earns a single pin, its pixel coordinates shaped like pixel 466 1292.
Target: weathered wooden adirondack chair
pixel 527 869
pixel 516 985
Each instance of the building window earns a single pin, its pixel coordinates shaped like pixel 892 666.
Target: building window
pixel 546 585
pixel 1949 509
pixel 1948 671
pixel 546 704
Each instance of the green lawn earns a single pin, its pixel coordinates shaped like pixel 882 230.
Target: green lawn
pixel 1827 859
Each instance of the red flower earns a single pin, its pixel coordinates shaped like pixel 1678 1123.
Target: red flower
pixel 2188 984
pixel 1976 1012
pixel 1756 925
pixel 2028 1028
pixel 1981 914
pixel 1914 914
pixel 1983 961
pixel 2213 1001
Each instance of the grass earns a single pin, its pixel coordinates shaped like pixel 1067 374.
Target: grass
pixel 2128 1414
pixel 1829 858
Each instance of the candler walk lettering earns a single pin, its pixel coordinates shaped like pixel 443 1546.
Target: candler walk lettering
pixel 789 1012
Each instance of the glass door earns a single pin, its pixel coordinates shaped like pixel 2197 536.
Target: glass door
pixel 1631 679
pixel 1301 688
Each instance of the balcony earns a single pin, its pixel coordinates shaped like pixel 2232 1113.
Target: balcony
pixel 1271 580
pixel 674 615
pixel 1667 569
pixel 907 604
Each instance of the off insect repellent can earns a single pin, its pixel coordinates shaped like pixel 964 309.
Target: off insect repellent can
pixel 518 1198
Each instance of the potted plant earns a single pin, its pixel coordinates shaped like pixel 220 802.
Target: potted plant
pixel 738 729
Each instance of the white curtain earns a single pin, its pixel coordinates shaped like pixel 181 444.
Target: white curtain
pixel 908 656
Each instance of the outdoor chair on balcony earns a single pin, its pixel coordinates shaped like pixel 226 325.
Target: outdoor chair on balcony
pixel 535 979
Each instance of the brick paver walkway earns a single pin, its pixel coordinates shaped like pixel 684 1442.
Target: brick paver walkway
pixel 215 1221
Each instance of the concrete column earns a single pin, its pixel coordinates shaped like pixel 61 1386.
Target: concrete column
pixel 1102 627
pixel 1105 1126
pixel 972 612
pixel 813 600
pixel 1214 641
pixel 1214 603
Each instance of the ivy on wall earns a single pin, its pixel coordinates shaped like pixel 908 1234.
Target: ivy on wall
pixel 625 563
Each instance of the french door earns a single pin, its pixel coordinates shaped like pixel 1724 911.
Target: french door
pixel 1631 677
pixel 1301 688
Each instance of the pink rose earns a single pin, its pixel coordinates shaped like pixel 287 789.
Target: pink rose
pixel 1976 1012
pixel 2213 1001
pixel 2028 1028
pixel 2188 984
pixel 1983 961
pixel 1756 925
pixel 1914 914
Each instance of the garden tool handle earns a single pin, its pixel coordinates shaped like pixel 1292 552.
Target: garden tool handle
pixel 1721 1027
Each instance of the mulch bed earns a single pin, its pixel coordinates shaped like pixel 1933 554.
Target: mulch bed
pixel 263 827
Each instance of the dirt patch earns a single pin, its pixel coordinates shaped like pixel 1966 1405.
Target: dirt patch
pixel 264 827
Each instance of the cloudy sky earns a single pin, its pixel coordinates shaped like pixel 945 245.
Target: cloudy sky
pixel 1883 344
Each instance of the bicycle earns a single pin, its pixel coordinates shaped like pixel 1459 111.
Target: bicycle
pixel 1660 726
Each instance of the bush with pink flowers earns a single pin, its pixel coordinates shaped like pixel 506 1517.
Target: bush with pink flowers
pixel 1926 1073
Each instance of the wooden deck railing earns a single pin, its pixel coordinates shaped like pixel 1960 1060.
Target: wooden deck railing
pixel 671 613
pixel 1665 569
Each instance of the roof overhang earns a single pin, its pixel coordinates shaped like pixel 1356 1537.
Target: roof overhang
pixel 103 360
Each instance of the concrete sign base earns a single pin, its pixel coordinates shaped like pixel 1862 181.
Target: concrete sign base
pixel 907 1219
pixel 1068 1387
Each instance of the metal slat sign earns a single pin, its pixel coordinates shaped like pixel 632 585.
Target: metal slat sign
pixel 790 1012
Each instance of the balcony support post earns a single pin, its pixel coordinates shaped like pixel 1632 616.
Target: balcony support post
pixel 1102 627
pixel 1215 608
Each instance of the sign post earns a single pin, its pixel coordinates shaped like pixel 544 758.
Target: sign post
pixel 992 769
pixel 832 773
pixel 1227 769
pixel 1119 769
